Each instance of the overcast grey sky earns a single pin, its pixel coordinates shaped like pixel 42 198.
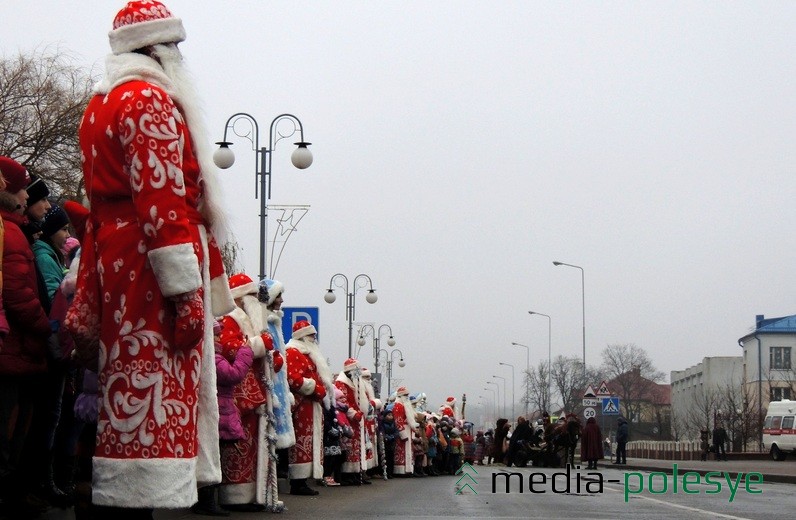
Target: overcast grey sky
pixel 461 147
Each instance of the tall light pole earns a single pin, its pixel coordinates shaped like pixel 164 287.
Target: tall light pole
pixel 283 126
pixel 494 403
pixel 497 389
pixel 512 385
pixel 401 363
pixel 583 301
pixel 363 332
pixel 549 358
pixel 527 373
pixel 504 396
pixel 340 280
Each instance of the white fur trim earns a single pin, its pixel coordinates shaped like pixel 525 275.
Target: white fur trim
pixel 143 34
pixel 304 332
pixel 243 290
pixel 312 469
pixel 176 269
pixel 138 483
pixel 236 493
pixel 208 464
pixel 307 386
pixel 222 302
pixel 258 346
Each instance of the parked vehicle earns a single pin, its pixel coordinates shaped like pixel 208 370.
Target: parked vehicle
pixel 779 430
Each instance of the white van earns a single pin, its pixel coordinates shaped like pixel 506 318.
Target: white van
pixel 779 430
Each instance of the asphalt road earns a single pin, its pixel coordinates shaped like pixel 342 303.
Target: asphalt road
pixel 617 492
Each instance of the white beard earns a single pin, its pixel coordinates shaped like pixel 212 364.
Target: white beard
pixel 251 306
pixel 167 70
pixel 313 351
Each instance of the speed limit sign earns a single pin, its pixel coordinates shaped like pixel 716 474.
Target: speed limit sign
pixel 589 412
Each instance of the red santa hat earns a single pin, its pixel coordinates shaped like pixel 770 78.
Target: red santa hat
pixel 303 329
pixel 450 401
pixel 78 216
pixel 366 373
pixel 240 285
pixel 350 364
pixel 15 174
pixel 402 391
pixel 142 23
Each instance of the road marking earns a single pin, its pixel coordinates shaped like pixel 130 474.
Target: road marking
pixel 678 506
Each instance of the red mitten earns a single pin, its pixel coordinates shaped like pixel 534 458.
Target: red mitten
pixel 358 416
pixel 189 320
pixel 268 340
pixel 278 361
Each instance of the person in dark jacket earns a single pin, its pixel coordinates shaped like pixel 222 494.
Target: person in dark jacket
pixel 719 440
pixel 621 441
pixel 22 357
pixel 521 434
pixel 390 433
pixel 591 444
pixel 501 433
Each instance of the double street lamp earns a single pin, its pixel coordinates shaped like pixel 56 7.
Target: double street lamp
pixel 363 332
pixel 282 127
pixel 361 281
pixel 401 363
pixel 583 302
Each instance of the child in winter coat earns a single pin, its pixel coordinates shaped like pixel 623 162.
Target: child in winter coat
pixel 333 432
pixel 341 411
pixel 456 451
pixel 480 448
pixel 469 443
pixel 233 360
pixel 390 433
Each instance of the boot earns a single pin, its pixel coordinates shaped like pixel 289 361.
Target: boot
pixel 299 486
pixel 208 503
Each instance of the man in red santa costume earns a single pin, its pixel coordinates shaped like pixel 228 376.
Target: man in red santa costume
pixel 405 423
pixel 247 464
pixel 374 405
pixel 151 276
pixel 311 383
pixel 349 382
pixel 448 408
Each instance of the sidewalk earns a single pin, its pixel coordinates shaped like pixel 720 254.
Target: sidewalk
pixel 772 471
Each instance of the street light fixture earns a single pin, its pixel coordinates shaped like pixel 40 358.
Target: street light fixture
pixel 340 280
pixel 583 302
pixel 282 127
pixel 497 387
pixel 390 360
pixel 512 385
pixel 363 332
pixel 504 395
pixel 549 358
pixel 527 373
pixel 494 403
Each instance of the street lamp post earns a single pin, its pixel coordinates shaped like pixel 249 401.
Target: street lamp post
pixel 497 388
pixel 512 385
pixel 504 396
pixel 583 302
pixel 494 404
pixel 340 280
pixel 401 363
pixel 282 127
pixel 376 342
pixel 549 354
pixel 527 373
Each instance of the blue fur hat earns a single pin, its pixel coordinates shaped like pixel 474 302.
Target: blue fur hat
pixel 268 290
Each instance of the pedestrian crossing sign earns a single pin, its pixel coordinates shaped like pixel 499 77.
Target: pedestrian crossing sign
pixel 610 406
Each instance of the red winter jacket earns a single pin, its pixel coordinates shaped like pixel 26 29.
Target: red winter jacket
pixel 23 350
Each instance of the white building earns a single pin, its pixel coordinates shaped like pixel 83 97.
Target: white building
pixel 769 373
pixel 702 385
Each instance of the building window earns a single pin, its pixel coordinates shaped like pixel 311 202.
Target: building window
pixel 780 358
pixel 778 394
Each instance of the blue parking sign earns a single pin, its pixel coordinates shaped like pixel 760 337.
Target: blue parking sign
pixel 296 314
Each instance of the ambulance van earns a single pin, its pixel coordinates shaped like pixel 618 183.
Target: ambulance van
pixel 779 430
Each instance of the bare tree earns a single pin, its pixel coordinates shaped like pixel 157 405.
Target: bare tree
pixel 230 255
pixel 570 381
pixel 537 396
pixel 633 374
pixel 704 405
pixel 737 407
pixel 42 99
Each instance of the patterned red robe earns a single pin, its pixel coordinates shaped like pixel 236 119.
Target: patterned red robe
pixel 309 390
pixel 157 434
pixel 404 461
pixel 242 461
pixel 354 457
